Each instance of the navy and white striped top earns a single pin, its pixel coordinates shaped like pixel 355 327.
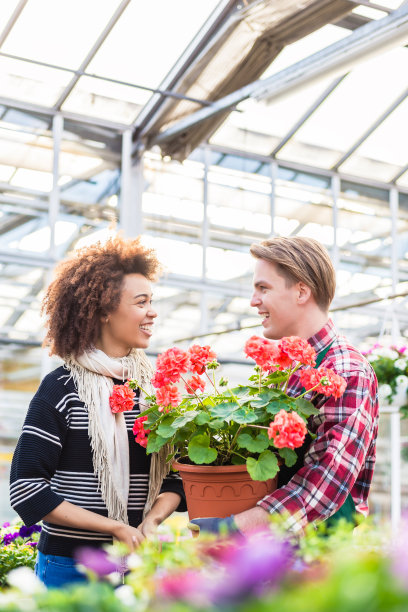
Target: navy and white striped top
pixel 53 462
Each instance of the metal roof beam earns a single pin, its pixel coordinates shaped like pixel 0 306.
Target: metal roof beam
pixel 334 60
pixel 9 25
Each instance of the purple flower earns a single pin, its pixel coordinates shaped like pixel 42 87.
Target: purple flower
pixel 33 544
pixel 399 553
pixel 4 525
pixel 25 532
pixel 10 537
pixel 98 561
pixel 252 564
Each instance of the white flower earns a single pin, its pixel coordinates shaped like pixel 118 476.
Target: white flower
pixel 387 352
pixel 125 594
pixel 24 579
pixel 134 561
pixel 402 381
pixel 384 391
pixel 401 364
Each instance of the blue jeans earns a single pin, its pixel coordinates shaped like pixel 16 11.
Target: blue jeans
pixel 56 571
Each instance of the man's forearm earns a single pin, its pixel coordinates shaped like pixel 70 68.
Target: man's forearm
pixel 252 518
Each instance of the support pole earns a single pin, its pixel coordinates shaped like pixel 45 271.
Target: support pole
pixel 131 190
pixel 53 213
pixel 395 419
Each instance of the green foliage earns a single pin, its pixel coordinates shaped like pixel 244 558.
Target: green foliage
pixel 13 556
pixel 263 468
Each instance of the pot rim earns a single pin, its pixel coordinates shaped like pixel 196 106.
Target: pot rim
pixel 188 467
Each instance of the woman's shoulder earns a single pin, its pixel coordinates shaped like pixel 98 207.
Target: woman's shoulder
pixel 55 386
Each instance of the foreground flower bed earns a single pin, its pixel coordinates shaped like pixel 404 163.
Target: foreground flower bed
pixel 339 571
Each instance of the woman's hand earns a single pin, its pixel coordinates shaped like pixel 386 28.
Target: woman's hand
pixel 149 526
pixel 131 536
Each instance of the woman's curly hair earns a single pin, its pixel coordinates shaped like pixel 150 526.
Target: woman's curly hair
pixel 88 287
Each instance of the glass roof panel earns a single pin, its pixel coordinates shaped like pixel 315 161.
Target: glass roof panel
pixel 148 39
pixel 353 106
pixel 57 25
pixel 321 38
pixel 36 84
pixel 111 101
pixel 387 144
pixel 260 126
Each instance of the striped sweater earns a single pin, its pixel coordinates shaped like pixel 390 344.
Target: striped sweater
pixel 53 462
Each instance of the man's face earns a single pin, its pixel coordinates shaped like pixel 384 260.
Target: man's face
pixel 276 302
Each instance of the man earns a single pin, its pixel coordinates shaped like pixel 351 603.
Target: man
pixel 294 284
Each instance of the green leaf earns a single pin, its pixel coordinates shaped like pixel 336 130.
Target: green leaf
pixel 155 442
pixel 224 410
pixel 241 392
pixel 216 423
pixel 276 377
pixel 165 429
pixel 152 418
pixel 245 415
pixel 288 455
pixel 184 419
pixel 263 468
pixel 265 397
pixel 202 418
pixel 199 450
pixel 305 407
pixel 277 405
pixel 237 460
pixel 170 457
pixel 254 445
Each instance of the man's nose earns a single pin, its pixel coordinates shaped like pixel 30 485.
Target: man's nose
pixel 255 300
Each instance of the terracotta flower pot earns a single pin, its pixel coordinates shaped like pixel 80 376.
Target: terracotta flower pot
pixel 221 490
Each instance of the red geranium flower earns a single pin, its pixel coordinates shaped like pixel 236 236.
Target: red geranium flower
pixel 327 381
pixel 298 349
pixel 140 432
pixel 170 366
pixel 288 430
pixel 199 357
pixel 194 383
pixel 168 396
pixel 262 351
pixel 122 398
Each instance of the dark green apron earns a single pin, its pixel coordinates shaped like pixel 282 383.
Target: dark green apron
pixel 348 509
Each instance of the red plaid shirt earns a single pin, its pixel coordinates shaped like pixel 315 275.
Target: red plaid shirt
pixel 340 460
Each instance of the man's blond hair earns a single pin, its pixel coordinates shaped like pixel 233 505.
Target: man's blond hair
pixel 303 260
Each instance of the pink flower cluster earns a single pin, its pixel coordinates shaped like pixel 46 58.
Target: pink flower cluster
pixel 140 432
pixel 170 367
pixel 122 398
pixel 288 430
pixel 280 355
pixel 324 381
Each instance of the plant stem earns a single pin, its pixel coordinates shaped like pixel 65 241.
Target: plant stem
pixel 233 441
pixel 194 393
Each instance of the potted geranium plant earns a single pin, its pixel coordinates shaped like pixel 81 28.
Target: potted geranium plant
pixel 245 432
pixel 390 365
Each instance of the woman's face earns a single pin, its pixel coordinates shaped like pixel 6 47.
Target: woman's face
pixel 130 325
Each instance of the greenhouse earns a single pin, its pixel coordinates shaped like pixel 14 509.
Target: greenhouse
pixel 203 128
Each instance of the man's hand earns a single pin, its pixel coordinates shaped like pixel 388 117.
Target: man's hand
pixel 219 526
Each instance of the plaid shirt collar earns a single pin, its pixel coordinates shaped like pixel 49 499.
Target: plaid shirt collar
pixel 324 337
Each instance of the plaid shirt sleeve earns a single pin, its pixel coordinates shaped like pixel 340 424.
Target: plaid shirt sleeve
pixel 340 460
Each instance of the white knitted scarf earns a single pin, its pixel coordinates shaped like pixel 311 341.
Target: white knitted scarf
pixel 92 373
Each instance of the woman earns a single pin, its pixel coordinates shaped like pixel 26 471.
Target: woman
pixel 76 464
